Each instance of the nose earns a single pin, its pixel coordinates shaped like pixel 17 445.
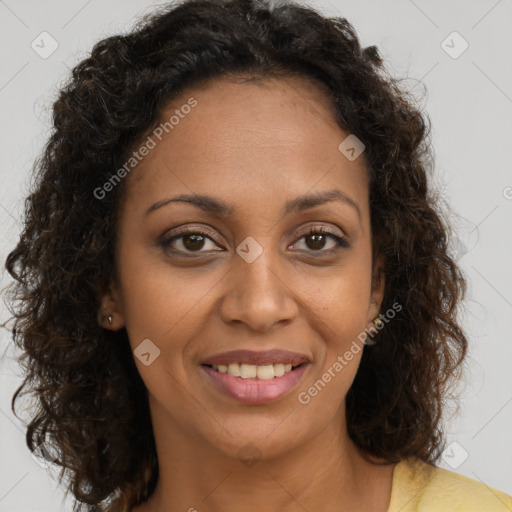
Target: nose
pixel 260 295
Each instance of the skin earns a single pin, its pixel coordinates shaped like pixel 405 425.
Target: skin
pixel 254 146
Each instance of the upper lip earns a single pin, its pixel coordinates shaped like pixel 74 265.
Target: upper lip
pixel 274 356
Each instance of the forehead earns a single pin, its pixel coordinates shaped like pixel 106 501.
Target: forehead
pixel 256 137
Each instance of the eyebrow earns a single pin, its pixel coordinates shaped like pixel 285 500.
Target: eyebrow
pixel 217 207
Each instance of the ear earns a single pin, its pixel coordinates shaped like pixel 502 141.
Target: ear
pixel 110 306
pixel 378 288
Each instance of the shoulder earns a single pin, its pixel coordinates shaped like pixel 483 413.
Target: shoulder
pixel 420 487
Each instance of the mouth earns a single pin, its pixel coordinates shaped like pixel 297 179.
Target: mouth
pixel 252 371
pixel 255 377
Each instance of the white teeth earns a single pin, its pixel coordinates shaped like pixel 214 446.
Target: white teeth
pixel 248 371
pixel 233 369
pixel 265 372
pixel 278 370
pixel 251 371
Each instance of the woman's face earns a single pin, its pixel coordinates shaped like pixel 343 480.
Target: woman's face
pixel 246 276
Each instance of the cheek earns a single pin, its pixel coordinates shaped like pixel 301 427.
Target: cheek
pixel 157 301
pixel 341 302
pixel 166 306
pixel 341 316
pixel 160 312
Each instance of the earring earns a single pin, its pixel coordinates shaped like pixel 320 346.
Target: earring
pixel 110 320
pixel 368 340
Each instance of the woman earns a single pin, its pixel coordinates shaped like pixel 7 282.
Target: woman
pixel 234 287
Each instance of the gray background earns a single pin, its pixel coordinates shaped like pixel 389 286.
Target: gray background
pixel 469 100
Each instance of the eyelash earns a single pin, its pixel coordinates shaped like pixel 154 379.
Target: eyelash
pixel 342 242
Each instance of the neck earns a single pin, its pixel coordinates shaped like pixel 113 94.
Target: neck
pixel 327 472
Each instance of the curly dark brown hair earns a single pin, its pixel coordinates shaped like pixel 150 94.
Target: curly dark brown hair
pixel 92 407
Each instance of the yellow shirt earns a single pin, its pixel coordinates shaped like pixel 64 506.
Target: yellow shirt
pixel 419 487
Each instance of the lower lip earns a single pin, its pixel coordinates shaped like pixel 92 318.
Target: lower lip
pixel 255 391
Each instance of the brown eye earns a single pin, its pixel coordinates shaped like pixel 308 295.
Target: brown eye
pixel 193 242
pixel 317 238
pixel 188 241
pixel 317 241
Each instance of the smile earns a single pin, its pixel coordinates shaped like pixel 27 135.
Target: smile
pixel 255 390
pixel 255 377
pixel 252 371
